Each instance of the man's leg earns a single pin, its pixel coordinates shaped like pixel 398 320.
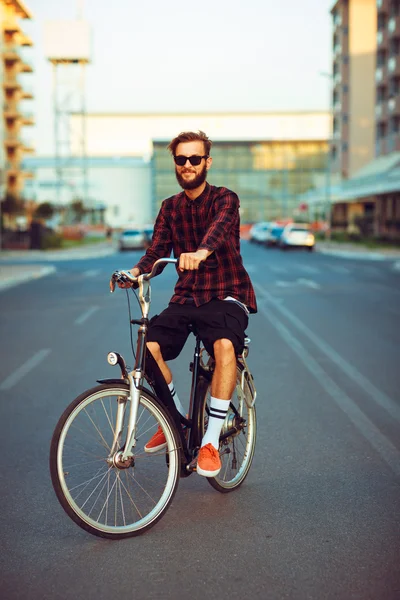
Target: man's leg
pixel 222 386
pixel 154 348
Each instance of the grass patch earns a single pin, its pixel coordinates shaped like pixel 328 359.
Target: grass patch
pixel 82 242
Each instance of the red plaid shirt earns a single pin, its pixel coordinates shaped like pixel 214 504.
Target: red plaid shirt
pixel 210 221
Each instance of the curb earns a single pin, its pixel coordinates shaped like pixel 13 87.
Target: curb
pixel 55 256
pixel 357 255
pixel 23 276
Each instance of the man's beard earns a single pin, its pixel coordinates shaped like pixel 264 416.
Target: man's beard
pixel 193 183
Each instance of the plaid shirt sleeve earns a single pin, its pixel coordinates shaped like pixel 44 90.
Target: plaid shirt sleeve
pixel 226 215
pixel 161 245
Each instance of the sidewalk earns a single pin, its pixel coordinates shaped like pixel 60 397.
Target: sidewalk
pixel 96 250
pixel 348 250
pixel 19 266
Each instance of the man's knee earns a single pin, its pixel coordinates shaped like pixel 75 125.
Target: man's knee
pixel 224 350
pixel 155 350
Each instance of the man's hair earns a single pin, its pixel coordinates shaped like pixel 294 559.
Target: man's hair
pixel 190 136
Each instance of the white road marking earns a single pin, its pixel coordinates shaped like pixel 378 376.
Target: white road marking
pixel 24 369
pixel 361 422
pixel 92 273
pixel 309 283
pixel 307 269
pixel 86 315
pixel 283 283
pixel 377 395
pixel 339 269
pixel 276 269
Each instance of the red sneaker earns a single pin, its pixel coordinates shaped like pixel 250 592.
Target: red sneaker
pixel 156 442
pixel 208 461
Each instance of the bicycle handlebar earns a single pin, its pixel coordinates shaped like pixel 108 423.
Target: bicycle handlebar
pixel 127 277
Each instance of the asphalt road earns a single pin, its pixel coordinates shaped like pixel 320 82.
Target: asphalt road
pixel 318 516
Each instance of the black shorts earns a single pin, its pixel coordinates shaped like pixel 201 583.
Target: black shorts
pixel 213 321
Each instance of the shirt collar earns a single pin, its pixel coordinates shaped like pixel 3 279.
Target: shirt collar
pixel 203 196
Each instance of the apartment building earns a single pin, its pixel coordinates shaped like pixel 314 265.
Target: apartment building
pixel 366 117
pixel 14 65
pixel 353 91
pixel 387 77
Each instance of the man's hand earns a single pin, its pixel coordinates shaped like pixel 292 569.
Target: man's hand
pixel 190 261
pixel 135 272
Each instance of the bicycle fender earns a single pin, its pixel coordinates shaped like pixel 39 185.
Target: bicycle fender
pixel 113 381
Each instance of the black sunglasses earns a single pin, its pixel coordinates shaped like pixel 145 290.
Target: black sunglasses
pixel 194 160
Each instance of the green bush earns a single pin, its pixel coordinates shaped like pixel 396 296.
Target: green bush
pixel 50 240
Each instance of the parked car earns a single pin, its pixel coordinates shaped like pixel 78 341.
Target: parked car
pixel 273 235
pixel 132 239
pixel 148 231
pixel 258 232
pixel 297 235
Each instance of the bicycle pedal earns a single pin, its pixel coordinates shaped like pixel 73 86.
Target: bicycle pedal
pixel 192 466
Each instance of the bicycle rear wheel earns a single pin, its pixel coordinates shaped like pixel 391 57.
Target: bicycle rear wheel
pixel 237 450
pixel 100 496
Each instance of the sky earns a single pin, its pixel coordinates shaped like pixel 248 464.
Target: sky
pixel 187 56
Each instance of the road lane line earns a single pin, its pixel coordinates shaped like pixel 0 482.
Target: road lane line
pixel 24 369
pixel 338 269
pixel 371 433
pixel 377 395
pixel 311 270
pixel 309 283
pixel 92 273
pixel 86 315
pixel 276 269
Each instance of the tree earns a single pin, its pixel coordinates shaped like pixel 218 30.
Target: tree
pixel 78 209
pixel 45 211
pixel 11 205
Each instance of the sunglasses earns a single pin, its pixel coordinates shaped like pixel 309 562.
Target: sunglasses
pixel 194 160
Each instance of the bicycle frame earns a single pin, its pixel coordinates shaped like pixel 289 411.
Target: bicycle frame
pixel 146 369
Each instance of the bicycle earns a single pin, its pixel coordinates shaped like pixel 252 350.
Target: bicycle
pixel 103 478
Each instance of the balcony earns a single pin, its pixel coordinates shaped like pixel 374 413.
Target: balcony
pixel 394 65
pixel 28 118
pixel 379 74
pixel 10 26
pixel 394 106
pixel 337 49
pixel 11 83
pixel 382 39
pixel 27 147
pixel 25 40
pixel 394 25
pixel 27 93
pixel 11 54
pixel 26 66
pixel 11 140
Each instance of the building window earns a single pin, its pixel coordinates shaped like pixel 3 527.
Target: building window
pixel 345 147
pixel 380 94
pixel 381 21
pixel 394 87
pixel 394 9
pixel 345 59
pixel 345 118
pixel 381 58
pixel 394 46
pixel 345 88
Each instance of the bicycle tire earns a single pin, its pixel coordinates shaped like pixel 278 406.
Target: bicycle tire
pixel 232 448
pixel 117 503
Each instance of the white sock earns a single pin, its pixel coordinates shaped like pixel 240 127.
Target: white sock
pixel 176 400
pixel 218 410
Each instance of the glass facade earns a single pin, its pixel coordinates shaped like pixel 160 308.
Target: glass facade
pixel 268 176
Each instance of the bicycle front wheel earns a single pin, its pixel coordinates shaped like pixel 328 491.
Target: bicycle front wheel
pixel 237 449
pixel 102 496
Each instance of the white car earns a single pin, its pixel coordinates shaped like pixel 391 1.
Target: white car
pixel 258 232
pixel 132 239
pixel 297 235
